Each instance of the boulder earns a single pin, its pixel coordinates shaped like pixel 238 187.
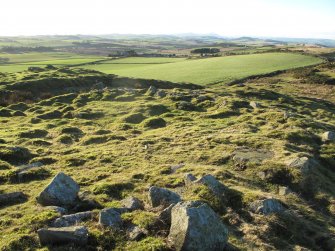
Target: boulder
pixel 195 226
pixel 328 136
pixel 161 93
pixel 267 206
pixel 77 235
pixel 165 215
pixel 162 197
pixel 189 178
pixel 72 219
pixel 213 184
pixel 305 164
pixel 110 217
pixel 12 198
pixel 62 191
pixel 132 203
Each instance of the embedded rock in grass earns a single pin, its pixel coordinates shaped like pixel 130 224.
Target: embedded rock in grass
pixel 328 136
pixel 132 203
pixel 305 164
pixel 59 210
pixel 165 215
pixel 77 235
pixel 161 93
pixel 195 226
pixel 62 191
pixel 255 105
pixel 136 233
pixel 284 190
pixel 162 197
pixel 110 217
pixel 213 184
pixel 189 178
pixel 267 206
pixel 72 219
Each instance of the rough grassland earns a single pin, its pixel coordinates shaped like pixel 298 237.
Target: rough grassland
pixel 211 70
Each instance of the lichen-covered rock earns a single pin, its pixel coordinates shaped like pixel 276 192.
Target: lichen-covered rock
pixel 195 226
pixel 72 219
pixel 136 233
pixel 77 235
pixel 162 197
pixel 132 203
pixel 110 217
pixel 62 191
pixel 267 206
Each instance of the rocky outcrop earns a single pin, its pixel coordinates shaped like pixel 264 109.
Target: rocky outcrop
pixel 195 226
pixel 162 197
pixel 267 206
pixel 77 235
pixel 62 191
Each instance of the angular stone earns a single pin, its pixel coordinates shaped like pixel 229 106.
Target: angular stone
pixel 110 217
pixel 136 233
pixel 132 203
pixel 213 184
pixel 72 219
pixel 267 206
pixel 305 164
pixel 328 136
pixel 59 210
pixel 162 197
pixel 165 215
pixel 195 226
pixel 77 235
pixel 62 191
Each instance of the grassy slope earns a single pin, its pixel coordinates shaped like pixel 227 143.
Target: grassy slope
pixel 203 140
pixel 211 70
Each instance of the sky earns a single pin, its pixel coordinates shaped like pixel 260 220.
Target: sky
pixel 234 18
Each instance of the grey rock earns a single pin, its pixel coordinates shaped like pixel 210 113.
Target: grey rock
pixel 77 235
pixel 72 219
pixel 132 203
pixel 305 164
pixel 255 105
pixel 162 197
pixel 165 215
pixel 136 233
pixel 62 191
pixel 11 198
pixel 110 217
pixel 59 210
pixel 189 178
pixel 267 206
pixel 195 226
pixel 213 184
pixel 151 91
pixel 328 136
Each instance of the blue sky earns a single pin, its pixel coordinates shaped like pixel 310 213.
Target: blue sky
pixel 272 18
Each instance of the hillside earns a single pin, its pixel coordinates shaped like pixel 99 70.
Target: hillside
pixel 264 139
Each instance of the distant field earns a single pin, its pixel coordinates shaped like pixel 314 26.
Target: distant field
pixel 210 70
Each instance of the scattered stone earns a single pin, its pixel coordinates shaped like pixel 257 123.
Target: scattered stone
pixel 23 170
pixel 176 167
pixel 195 226
pixel 72 219
pixel 305 164
pixel 12 198
pixel 151 91
pixel 110 217
pixel 267 206
pixel 77 235
pixel 136 233
pixel 161 93
pixel 189 178
pixel 62 191
pixel 60 210
pixel 132 203
pixel 165 215
pixel 328 136
pixel 213 184
pixel 284 190
pixel 246 155
pixel 255 105
pixel 162 197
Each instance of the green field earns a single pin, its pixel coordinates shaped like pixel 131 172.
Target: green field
pixel 210 70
